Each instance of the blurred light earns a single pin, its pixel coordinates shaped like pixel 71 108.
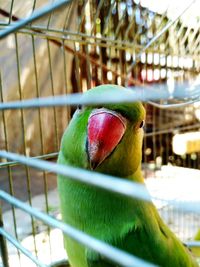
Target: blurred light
pixel 158 161
pixel 128 56
pixel 109 75
pixel 162 60
pixel 149 75
pixel 150 34
pixel 143 74
pixel 88 26
pixel 189 18
pixel 87 18
pixel 163 73
pixel 170 83
pixel 119 80
pixel 149 58
pixel 11 41
pixel 154 5
pixel 175 61
pixel 186 143
pixel 169 61
pixel 98 21
pixel 188 63
pixel 156 58
pixel 162 47
pixel 84 85
pixel 148 151
pixel 197 110
pixel 193 156
pixel 98 35
pixel 143 58
pixel 24 76
pixel 123 6
pixel 181 62
pixel 138 16
pixel 156 74
pixel 77 46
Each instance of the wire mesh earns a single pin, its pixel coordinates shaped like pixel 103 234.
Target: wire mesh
pixel 51 52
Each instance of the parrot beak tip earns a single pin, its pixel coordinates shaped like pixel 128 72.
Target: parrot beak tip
pixel 93 165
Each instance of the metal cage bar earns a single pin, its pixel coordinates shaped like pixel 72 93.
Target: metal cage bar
pixel 107 51
pixel 104 249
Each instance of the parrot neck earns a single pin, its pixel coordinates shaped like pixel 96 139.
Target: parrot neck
pixel 137 176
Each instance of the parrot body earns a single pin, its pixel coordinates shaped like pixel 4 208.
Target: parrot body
pixel 196 250
pixel 108 139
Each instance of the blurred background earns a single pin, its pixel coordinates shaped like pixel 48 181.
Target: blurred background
pixel 81 45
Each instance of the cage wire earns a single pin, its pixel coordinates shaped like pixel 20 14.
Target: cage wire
pixel 53 51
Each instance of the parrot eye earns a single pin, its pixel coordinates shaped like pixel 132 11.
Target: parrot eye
pixel 79 107
pixel 142 124
pixel 139 125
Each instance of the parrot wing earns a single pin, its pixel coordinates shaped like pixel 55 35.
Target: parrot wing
pixel 161 248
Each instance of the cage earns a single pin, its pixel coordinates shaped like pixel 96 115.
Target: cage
pixel 51 51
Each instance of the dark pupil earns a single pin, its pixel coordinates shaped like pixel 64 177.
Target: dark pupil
pixel 141 124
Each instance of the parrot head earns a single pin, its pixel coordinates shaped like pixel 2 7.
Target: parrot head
pixel 114 135
pixel 106 138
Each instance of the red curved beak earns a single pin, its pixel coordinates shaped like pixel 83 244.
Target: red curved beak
pixel 105 130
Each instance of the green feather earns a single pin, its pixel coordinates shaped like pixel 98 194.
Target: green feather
pixel 132 225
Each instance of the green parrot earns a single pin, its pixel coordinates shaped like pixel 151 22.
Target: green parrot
pixel 196 250
pixel 197 236
pixel 108 139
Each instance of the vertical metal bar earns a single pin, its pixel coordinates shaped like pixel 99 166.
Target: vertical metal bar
pixel 195 45
pixel 33 9
pixel 126 51
pixel 10 179
pixel 10 13
pixel 24 140
pixel 109 15
pixel 67 19
pixel 98 8
pixel 77 71
pixel 155 120
pixel 3 246
pixel 41 137
pixel 167 150
pixel 82 16
pixel 115 67
pixel 120 23
pixel 161 121
pixel 130 26
pixel 163 17
pixel 89 77
pixel 53 94
pixel 66 83
pixel 137 33
pixel 154 137
pixel 50 15
pixel 101 64
pixel 145 155
pixel 122 65
pixel 34 5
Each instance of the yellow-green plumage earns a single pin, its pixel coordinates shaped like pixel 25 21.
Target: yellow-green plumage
pixel 129 224
pixel 196 250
